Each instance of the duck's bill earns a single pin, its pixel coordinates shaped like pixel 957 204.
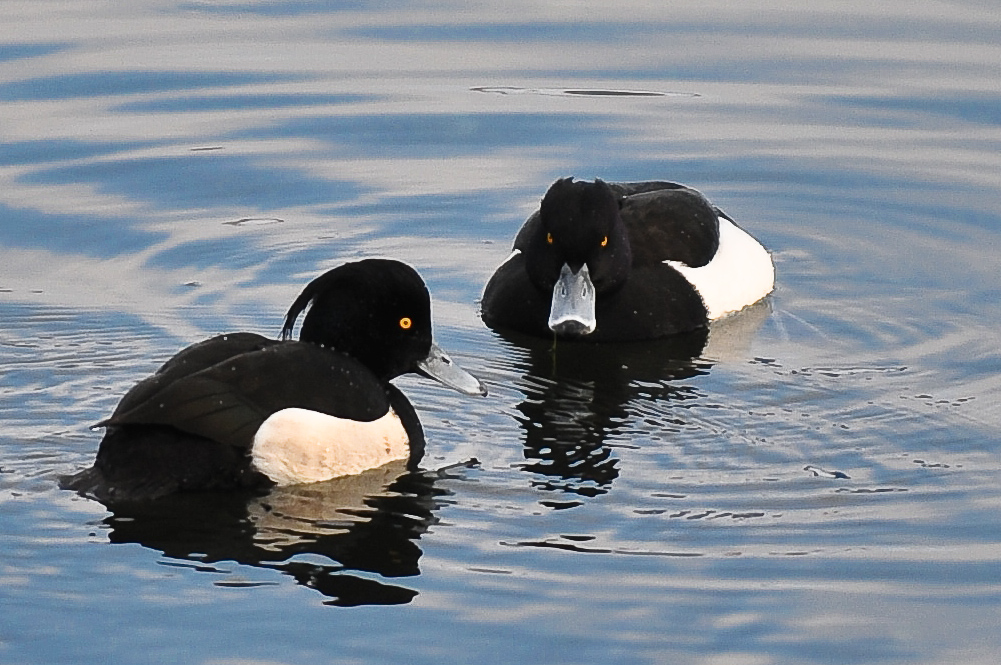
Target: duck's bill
pixel 443 369
pixel 572 311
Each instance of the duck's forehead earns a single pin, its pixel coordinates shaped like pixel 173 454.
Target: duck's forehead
pixel 398 291
pixel 576 221
pixel 415 305
pixel 581 208
pixel 393 282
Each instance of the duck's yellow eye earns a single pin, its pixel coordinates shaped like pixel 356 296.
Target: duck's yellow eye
pixel 549 238
pixel 604 241
pixel 405 323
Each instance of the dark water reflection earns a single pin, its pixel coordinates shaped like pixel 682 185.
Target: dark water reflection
pixel 325 536
pixel 577 394
pixel 579 397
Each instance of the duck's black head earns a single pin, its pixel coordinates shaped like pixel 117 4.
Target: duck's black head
pixel 379 312
pixel 579 227
pixel 376 310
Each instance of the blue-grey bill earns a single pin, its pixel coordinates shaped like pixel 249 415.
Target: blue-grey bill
pixel 572 311
pixel 443 369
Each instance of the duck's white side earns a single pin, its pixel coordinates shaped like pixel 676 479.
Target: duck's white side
pixel 300 446
pixel 740 274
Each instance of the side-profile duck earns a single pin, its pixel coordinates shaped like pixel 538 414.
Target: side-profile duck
pixel 241 411
pixel 625 261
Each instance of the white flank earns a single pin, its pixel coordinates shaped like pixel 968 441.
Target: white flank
pixel 301 446
pixel 740 274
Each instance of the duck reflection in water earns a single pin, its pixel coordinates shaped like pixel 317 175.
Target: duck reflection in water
pixel 581 399
pixel 344 537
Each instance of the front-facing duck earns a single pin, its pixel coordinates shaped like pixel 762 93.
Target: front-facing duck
pixel 625 261
pixel 242 411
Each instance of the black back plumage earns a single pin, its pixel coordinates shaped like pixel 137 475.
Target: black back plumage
pixel 227 401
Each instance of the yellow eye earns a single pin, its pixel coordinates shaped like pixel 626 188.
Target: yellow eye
pixel 405 323
pixel 604 241
pixel 549 238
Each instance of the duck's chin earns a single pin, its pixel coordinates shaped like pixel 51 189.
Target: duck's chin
pixel 296 446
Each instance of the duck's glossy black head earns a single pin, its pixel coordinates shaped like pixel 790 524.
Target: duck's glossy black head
pixel 579 223
pixel 379 312
pixel 580 244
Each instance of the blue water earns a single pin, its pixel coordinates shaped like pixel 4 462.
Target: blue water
pixel 820 484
